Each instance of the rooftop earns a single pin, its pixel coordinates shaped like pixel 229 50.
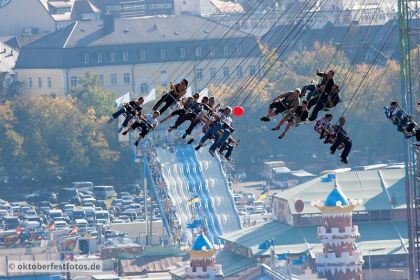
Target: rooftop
pixel 202 242
pixel 336 196
pixel 390 237
pixel 378 189
pixel 137 30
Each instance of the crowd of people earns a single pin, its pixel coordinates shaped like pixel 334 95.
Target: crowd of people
pixel 209 121
pixel 206 119
pixel 295 111
pixel 403 121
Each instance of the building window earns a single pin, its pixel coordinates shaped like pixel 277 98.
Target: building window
pixel 212 51
pixel 126 78
pixel 125 56
pixel 99 57
pixel 73 81
pixel 212 72
pixel 226 72
pixel 240 71
pixel 101 79
pixel 30 84
pixel 164 78
pixel 86 58
pixel 113 79
pixel 238 50
pixel 49 82
pixel 144 88
pixel 198 52
pixel 199 74
pixel 40 82
pixel 112 56
pixel 225 50
pixel 252 70
pixel 162 54
pixel 142 54
pixel 182 52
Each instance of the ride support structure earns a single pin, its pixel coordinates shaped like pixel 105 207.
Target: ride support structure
pixel 409 34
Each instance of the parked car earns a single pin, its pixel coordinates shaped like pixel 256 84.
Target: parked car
pixel 45 204
pixel 103 215
pixel 131 188
pixel 136 207
pixel 82 186
pixel 90 214
pixel 127 200
pixel 250 197
pixel 69 208
pixel 79 214
pixel 102 204
pixel 125 218
pixel 61 225
pixel 88 200
pixel 131 213
pixel 54 213
pixel 69 195
pixel 11 222
pixel 81 224
pixel 121 194
pixel 117 202
pixel 103 192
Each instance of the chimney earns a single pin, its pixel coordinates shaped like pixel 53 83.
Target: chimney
pixel 108 23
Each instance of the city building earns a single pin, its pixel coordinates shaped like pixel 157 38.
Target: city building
pixel 136 8
pixel 30 16
pixel 136 54
pixel 340 258
pixel 43 16
pixel 380 218
pixel 8 57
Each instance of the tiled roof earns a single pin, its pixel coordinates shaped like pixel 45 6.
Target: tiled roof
pixel 81 7
pixel 66 48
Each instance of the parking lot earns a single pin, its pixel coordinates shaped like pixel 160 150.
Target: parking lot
pixel 80 209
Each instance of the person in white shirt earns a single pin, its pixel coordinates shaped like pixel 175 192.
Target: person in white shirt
pixel 325 129
pixel 145 123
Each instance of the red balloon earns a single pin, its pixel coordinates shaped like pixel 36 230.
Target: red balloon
pixel 238 111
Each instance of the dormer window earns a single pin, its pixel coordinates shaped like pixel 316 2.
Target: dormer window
pixel 125 55
pixel 162 54
pixel 142 54
pixel 112 56
pixel 99 57
pixel 198 52
pixel 85 58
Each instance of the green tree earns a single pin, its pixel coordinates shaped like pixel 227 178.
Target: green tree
pixel 11 150
pixel 91 94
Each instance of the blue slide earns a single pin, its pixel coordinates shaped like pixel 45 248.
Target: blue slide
pixel 197 186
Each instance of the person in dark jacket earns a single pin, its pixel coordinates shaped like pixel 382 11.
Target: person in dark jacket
pixel 342 138
pixel 130 109
pixel 293 117
pixel 327 81
pixel 177 91
pixel 324 101
pixel 282 103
